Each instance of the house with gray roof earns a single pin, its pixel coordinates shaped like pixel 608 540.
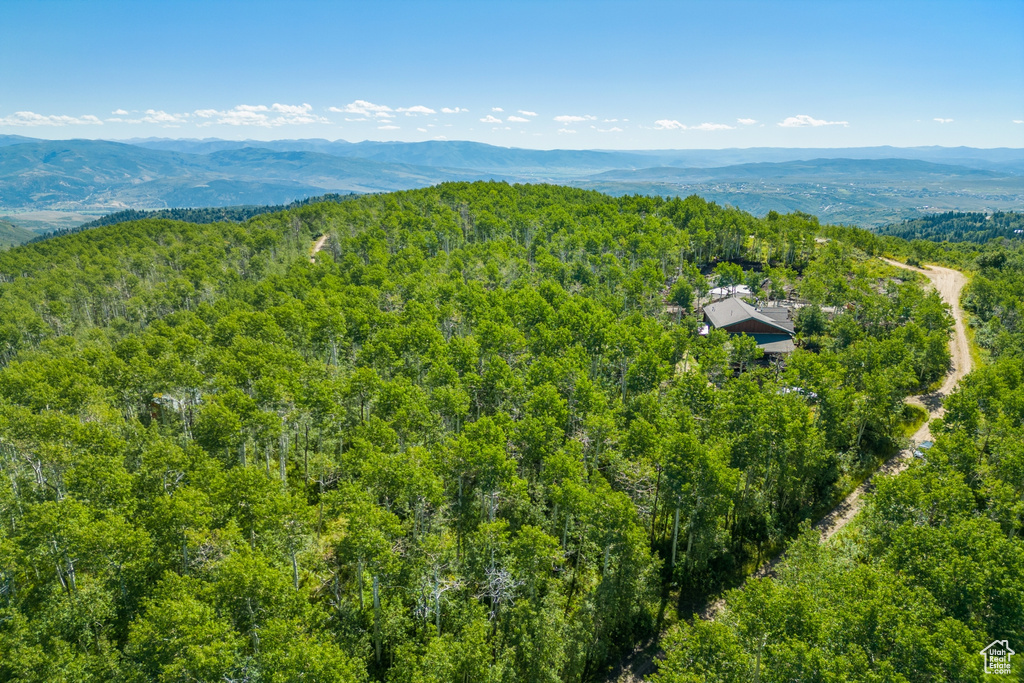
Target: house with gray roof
pixel 771 328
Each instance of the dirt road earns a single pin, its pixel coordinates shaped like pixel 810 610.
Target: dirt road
pixel 949 283
pixel 317 246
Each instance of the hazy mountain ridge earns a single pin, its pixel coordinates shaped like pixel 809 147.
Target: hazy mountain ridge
pixel 870 186
pixel 805 170
pixel 478 155
pixel 77 174
pixel 441 153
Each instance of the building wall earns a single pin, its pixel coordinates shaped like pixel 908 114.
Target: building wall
pixel 752 326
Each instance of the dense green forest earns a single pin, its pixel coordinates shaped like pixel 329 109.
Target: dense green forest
pixel 955 226
pixel 214 214
pixel 932 571
pixel 471 442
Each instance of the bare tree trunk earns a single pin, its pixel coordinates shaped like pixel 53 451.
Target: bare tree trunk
pixel 376 618
pixel 305 457
pixel 654 511
pixel 283 458
pixel 437 606
pixel 757 662
pixel 458 539
pixel 675 537
pixel 359 582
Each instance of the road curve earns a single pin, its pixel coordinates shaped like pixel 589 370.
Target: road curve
pixel 949 284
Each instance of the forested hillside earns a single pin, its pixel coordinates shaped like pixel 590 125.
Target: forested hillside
pixel 931 573
pixel 864 186
pixel 214 214
pixel 955 226
pixel 11 235
pixel 469 441
pixel 72 175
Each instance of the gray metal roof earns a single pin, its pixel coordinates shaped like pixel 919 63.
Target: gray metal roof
pixel 774 343
pixel 734 310
pixel 781 316
pixel 781 346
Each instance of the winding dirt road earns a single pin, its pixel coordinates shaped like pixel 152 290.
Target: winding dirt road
pixel 317 246
pixel 949 283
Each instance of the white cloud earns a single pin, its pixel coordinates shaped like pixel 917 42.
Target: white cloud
pixel 120 112
pixel 517 119
pixel 575 119
pixel 944 120
pixel 1018 120
pixel 613 129
pixel 261 115
pixel 612 120
pixel 490 119
pixel 364 108
pixel 387 127
pixel 440 137
pixel 803 121
pixel 497 109
pixel 418 109
pixel 422 130
pixel 163 118
pixel 712 126
pixel 747 122
pixel 565 130
pixel 527 113
pixel 456 110
pixel 28 118
pixel 672 124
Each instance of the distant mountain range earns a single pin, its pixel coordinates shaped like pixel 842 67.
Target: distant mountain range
pixel 869 186
pixel 806 171
pixel 483 157
pixel 88 174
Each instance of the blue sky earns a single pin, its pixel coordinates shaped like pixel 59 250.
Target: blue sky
pixel 593 74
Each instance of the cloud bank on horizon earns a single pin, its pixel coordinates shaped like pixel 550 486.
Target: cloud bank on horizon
pixel 361 111
pixel 251 119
